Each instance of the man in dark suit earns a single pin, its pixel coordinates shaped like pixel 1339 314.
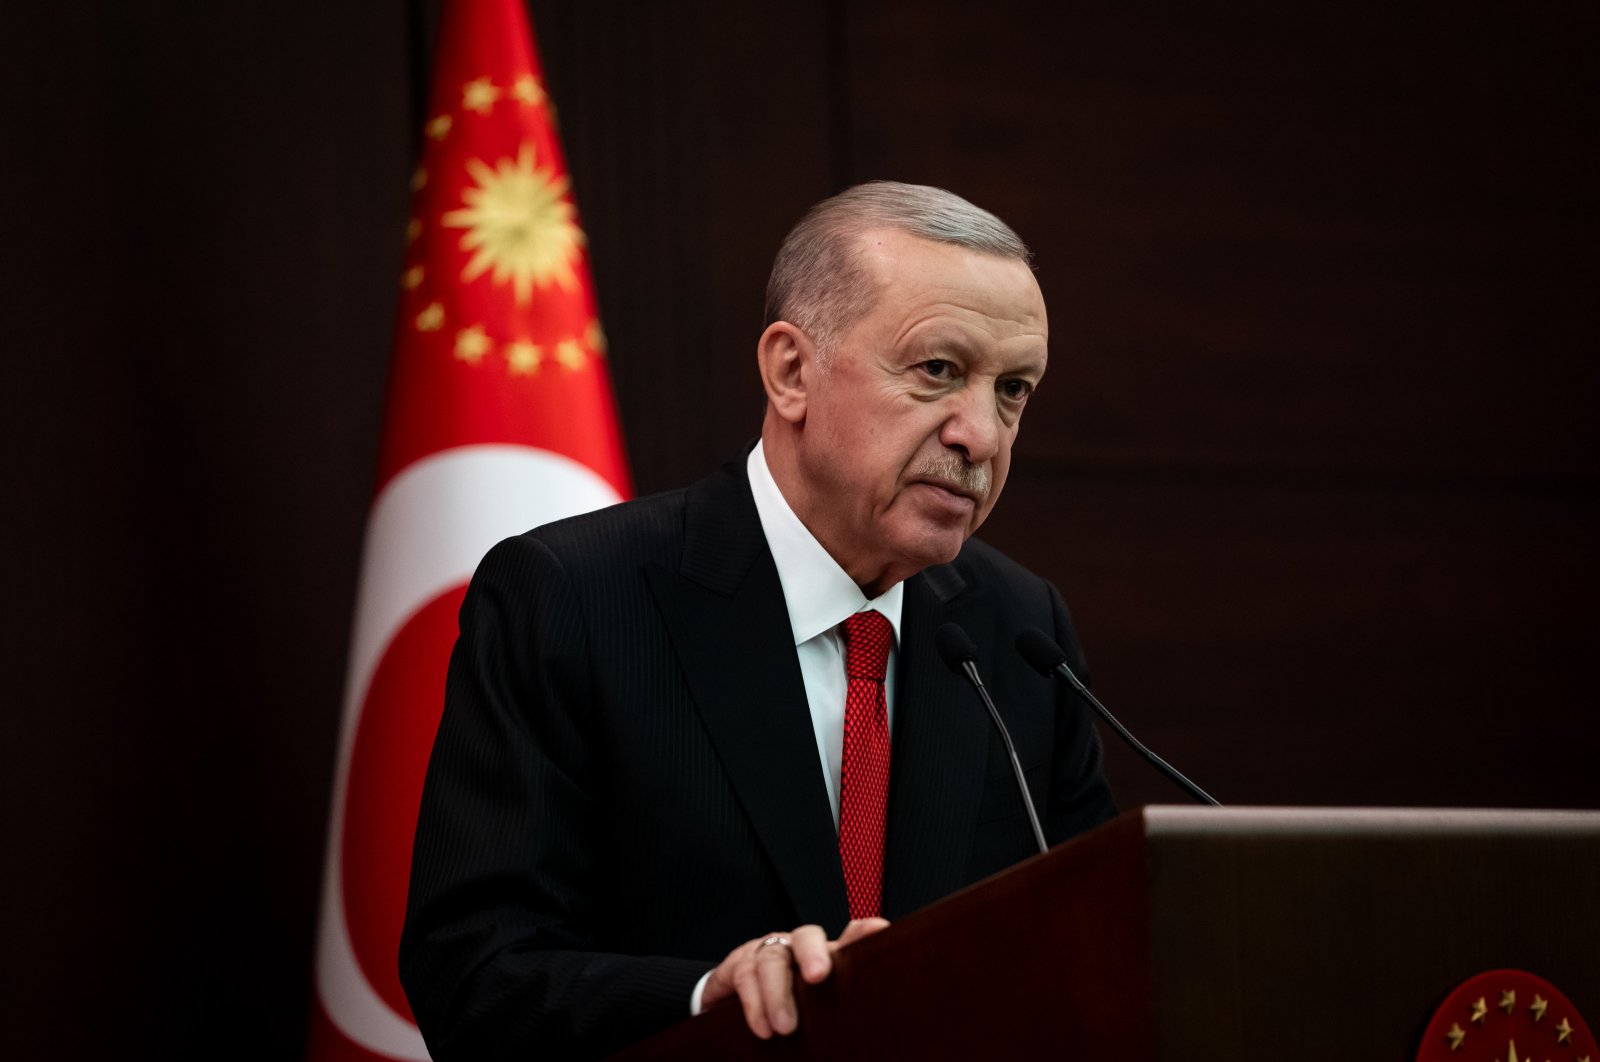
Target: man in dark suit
pixel 678 727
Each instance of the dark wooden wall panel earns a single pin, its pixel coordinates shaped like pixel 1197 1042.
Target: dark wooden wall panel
pixel 1270 235
pixel 704 135
pixel 204 213
pixel 1303 644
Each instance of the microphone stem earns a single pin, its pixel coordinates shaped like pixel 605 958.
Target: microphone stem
pixel 971 670
pixel 1105 713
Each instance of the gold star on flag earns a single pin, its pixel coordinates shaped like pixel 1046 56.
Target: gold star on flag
pixel 1455 1036
pixel 472 344
pixel 438 128
pixel 569 352
pixel 1563 1031
pixel 527 90
pixel 1508 1001
pixel 479 95
pixel 1538 1006
pixel 1512 1057
pixel 431 319
pixel 596 338
pixel 524 357
pixel 1480 1010
pixel 413 229
pixel 411 279
pixel 419 179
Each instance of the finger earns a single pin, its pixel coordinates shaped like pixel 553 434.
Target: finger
pixel 747 984
pixel 858 928
pixel 812 953
pixel 774 978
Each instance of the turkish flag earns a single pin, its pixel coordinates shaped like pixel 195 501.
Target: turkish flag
pixel 499 418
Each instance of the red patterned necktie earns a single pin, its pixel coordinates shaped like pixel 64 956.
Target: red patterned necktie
pixel 864 776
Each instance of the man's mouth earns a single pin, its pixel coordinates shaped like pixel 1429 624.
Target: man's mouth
pixel 956 489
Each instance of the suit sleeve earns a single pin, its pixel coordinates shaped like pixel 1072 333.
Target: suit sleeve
pixel 498 955
pixel 1080 799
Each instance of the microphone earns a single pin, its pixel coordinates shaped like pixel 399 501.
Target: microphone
pixel 1049 659
pixel 960 656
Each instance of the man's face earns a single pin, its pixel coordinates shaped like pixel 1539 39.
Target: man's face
pixel 908 430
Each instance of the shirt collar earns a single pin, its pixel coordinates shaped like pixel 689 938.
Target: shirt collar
pixel 818 593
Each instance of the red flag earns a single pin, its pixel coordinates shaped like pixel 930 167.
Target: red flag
pixel 500 418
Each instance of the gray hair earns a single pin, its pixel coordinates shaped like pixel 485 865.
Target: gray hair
pixel 818 282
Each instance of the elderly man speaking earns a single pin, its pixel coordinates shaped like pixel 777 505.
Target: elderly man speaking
pixel 694 743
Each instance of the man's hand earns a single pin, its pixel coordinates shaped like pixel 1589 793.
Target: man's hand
pixel 761 973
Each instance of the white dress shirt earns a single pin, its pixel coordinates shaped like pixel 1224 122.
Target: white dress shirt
pixel 819 597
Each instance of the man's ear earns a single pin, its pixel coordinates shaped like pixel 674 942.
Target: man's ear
pixel 787 360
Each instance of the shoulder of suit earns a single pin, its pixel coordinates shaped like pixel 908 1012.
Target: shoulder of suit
pixel 648 528
pixel 642 525
pixel 981 562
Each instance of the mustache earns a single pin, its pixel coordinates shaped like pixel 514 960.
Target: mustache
pixel 954 470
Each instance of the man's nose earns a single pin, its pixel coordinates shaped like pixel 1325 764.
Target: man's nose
pixel 973 424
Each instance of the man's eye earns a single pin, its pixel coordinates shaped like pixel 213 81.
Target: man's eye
pixel 938 368
pixel 1016 390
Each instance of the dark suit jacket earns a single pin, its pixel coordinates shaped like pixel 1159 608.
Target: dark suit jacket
pixel 625 783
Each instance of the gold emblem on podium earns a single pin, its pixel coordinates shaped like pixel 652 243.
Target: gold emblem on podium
pixel 1466 1029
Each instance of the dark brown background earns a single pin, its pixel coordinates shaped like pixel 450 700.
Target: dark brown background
pixel 1316 464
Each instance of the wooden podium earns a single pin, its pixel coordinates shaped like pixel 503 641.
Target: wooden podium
pixel 1235 934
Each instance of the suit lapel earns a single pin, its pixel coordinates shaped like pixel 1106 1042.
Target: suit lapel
pixel 725 611
pixel 940 748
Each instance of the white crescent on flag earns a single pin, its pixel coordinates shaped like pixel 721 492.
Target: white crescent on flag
pixel 428 530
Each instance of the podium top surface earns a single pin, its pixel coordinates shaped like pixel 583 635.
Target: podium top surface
pixel 1180 820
